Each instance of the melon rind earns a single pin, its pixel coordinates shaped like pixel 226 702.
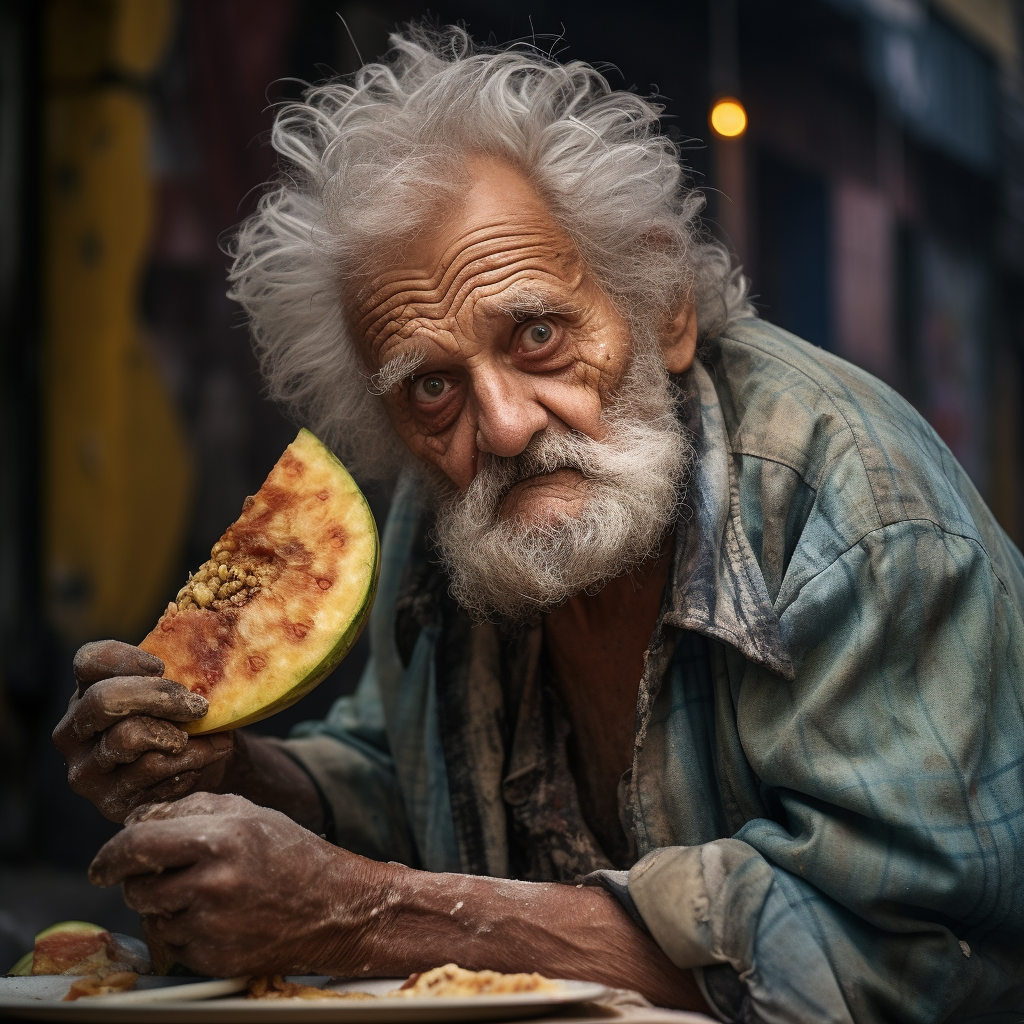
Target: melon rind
pixel 23 968
pixel 70 926
pixel 258 659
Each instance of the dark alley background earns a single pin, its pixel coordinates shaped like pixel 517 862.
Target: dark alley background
pixel 876 201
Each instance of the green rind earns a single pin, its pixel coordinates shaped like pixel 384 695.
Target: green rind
pixel 70 926
pixel 334 657
pixel 23 968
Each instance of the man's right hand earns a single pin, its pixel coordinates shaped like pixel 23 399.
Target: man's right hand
pixel 119 738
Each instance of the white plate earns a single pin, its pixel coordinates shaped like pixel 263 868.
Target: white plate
pixel 178 1001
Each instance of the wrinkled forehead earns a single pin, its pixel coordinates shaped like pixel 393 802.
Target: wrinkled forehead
pixel 499 248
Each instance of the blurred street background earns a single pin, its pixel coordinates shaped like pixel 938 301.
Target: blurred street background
pixel 875 198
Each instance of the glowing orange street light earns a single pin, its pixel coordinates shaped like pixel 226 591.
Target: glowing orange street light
pixel 728 118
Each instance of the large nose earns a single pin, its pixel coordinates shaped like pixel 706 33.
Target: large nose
pixel 508 412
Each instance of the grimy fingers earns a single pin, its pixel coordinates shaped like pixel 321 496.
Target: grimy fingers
pixel 150 848
pixel 159 895
pixel 110 700
pixel 129 739
pixel 105 658
pixel 169 789
pixel 152 768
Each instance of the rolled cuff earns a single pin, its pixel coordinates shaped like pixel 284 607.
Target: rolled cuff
pixel 719 910
pixel 617 883
pixel 669 890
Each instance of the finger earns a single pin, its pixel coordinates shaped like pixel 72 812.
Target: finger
pixel 105 658
pixel 164 894
pixel 118 804
pixel 170 789
pixel 192 805
pixel 126 784
pixel 129 739
pixel 207 778
pixel 155 775
pixel 151 847
pixel 175 931
pixel 112 699
pixel 166 953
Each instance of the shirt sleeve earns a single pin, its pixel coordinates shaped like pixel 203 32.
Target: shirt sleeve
pixel 348 757
pixel 885 881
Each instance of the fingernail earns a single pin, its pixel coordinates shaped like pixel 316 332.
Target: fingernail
pixel 220 740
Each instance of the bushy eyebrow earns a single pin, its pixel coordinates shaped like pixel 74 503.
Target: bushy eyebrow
pixel 395 370
pixel 528 305
pixel 524 305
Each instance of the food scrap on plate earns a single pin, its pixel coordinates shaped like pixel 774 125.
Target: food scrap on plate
pixel 81 948
pixel 452 980
pixel 441 982
pixel 274 986
pixel 94 985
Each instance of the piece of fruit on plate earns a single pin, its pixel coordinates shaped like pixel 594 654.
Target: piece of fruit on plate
pixel 284 596
pixel 79 948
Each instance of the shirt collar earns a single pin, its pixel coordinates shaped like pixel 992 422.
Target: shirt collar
pixel 717 586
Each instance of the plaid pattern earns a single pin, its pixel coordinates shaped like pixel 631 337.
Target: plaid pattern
pixel 827 796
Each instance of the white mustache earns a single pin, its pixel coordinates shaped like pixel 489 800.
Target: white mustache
pixel 514 569
pixel 546 453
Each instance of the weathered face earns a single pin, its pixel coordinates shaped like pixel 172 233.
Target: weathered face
pixel 510 335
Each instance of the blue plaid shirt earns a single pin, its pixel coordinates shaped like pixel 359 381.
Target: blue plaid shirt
pixel 827 794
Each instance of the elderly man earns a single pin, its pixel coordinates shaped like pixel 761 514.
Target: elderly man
pixel 674 608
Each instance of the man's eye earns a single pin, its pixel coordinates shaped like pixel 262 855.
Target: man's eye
pixel 429 388
pixel 537 336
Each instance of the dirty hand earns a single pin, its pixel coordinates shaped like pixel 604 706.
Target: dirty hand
pixel 252 892
pixel 119 738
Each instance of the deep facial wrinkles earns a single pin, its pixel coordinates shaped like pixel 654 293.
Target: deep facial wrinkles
pixel 451 304
pixel 460 303
pixel 492 239
pixel 506 258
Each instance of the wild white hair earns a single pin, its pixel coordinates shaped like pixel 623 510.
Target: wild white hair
pixel 368 161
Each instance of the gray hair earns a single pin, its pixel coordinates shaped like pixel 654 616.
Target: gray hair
pixel 367 162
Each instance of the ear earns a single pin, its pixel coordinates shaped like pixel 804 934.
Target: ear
pixel 679 339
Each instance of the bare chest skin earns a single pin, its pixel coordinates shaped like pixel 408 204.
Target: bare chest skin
pixel 596 644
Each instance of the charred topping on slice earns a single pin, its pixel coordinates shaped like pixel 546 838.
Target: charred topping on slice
pixel 227 580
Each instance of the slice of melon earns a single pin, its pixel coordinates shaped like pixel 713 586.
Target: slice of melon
pixel 283 598
pixel 78 947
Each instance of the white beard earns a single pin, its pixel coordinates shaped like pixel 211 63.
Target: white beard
pixel 512 569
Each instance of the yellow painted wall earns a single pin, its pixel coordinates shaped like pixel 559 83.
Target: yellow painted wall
pixel 117 473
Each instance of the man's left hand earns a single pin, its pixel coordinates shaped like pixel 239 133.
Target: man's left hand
pixel 227 888
pixel 230 888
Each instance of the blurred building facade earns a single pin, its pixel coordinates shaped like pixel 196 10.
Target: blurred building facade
pixel 883 174
pixel 876 201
